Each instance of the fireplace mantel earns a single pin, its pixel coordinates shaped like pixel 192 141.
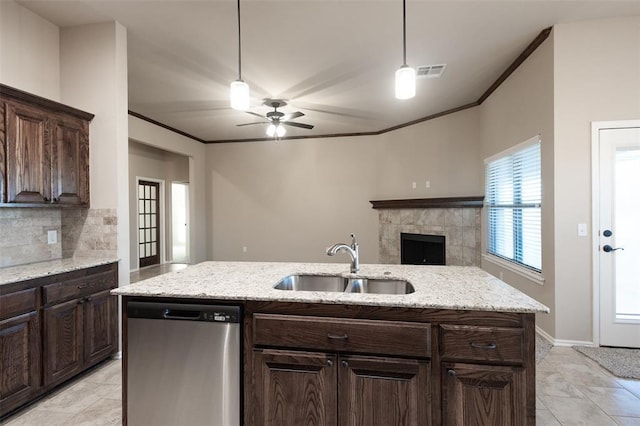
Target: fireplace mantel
pixel 430 203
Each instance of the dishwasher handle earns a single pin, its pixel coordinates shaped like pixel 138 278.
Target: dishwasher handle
pixel 184 312
pixel 181 314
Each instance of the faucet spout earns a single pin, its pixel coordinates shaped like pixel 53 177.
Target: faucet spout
pixel 352 250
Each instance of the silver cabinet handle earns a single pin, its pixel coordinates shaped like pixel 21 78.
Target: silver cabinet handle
pixel 451 373
pixel 343 336
pixel 329 363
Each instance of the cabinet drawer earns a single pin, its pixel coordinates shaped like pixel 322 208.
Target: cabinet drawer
pixel 343 335
pixel 464 342
pixel 77 288
pixel 17 303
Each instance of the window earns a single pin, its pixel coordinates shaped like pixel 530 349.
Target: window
pixel 513 201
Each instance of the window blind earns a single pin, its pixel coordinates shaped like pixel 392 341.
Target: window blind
pixel 514 204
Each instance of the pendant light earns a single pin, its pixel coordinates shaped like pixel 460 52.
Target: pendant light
pixel 405 76
pixel 239 92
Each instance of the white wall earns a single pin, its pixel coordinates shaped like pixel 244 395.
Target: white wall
pixel 158 137
pixel 29 51
pixel 289 200
pixel 519 109
pixel 93 62
pixel 597 78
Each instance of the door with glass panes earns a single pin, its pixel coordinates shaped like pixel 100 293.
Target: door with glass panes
pixel 148 223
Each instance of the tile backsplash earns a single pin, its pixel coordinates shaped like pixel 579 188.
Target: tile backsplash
pixel 23 235
pixel 80 233
pixel 460 226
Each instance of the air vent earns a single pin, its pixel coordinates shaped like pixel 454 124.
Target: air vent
pixel 431 71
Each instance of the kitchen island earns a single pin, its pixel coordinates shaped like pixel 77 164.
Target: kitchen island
pixel 459 349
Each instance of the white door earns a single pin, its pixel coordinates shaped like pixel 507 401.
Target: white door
pixel 619 237
pixel 180 222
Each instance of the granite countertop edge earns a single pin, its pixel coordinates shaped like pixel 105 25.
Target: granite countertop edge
pixel 30 271
pixel 436 287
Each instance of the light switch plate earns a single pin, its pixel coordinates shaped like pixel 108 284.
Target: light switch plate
pixel 582 230
pixel 52 237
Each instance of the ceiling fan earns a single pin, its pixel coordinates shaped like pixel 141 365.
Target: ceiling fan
pixel 277 119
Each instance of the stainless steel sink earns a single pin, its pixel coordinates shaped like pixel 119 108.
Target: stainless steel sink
pixel 380 286
pixel 312 283
pixel 341 284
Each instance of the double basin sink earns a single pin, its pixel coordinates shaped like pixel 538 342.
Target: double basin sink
pixel 340 284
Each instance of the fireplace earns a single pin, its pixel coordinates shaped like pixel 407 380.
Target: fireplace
pixel 420 249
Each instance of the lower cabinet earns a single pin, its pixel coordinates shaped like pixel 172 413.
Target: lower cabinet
pixel 20 360
pixel 328 389
pixel 371 366
pixel 54 328
pixel 62 341
pixel 483 395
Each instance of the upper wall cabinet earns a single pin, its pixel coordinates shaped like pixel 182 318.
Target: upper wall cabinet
pixel 44 152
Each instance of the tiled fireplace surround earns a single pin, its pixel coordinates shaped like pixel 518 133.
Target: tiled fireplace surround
pixel 457 218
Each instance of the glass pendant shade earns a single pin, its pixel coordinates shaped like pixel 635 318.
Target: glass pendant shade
pixel 239 95
pixel 405 82
pixel 274 130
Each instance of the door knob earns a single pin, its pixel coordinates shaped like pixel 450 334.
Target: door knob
pixel 607 248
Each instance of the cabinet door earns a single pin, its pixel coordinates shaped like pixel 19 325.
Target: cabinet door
pixel 19 360
pixel 295 388
pixel 28 154
pixel 375 391
pixel 62 341
pixel 100 311
pixel 70 161
pixel 483 395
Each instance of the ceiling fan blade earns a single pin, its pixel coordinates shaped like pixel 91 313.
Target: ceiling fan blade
pixel 257 115
pixel 291 116
pixel 294 124
pixel 249 124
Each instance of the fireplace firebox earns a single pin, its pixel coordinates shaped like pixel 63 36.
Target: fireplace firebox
pixel 419 249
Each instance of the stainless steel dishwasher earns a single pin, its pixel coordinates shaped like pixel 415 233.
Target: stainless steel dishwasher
pixel 183 364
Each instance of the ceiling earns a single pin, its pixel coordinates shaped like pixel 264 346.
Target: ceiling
pixel 333 60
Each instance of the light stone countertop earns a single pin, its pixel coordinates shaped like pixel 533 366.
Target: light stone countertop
pixel 436 287
pixel 13 274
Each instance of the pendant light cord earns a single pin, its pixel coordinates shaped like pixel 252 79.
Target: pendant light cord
pixel 239 46
pixel 404 32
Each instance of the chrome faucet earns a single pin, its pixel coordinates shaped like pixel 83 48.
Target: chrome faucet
pixel 352 250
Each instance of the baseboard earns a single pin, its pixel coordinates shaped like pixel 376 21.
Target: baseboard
pixel 561 342
pixel 545 335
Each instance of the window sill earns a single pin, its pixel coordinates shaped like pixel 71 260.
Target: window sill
pixel 536 277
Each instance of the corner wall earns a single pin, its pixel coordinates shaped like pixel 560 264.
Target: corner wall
pixel 149 134
pixel 519 109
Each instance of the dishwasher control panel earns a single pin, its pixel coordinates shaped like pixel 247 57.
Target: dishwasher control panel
pixel 184 312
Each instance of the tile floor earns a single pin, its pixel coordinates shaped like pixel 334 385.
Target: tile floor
pixel 571 390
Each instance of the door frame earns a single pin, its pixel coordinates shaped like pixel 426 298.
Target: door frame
pixel 163 258
pixel 596 126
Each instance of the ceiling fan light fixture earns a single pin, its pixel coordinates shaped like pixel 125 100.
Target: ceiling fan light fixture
pixel 276 130
pixel 405 82
pixel 239 95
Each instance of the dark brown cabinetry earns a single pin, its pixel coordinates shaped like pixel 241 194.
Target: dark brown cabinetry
pixel 44 151
pixel 340 386
pixel 351 365
pixel 53 328
pixel 20 344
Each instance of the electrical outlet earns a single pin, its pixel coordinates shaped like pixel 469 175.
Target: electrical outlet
pixel 52 237
pixel 244 249
pixel 427 184
pixel 413 185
